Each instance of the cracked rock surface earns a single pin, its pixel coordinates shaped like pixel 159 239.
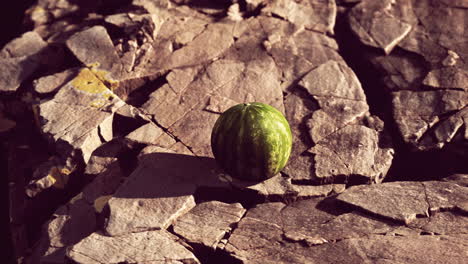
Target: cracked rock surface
pixel 107 109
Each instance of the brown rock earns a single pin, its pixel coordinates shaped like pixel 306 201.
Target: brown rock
pixel 312 15
pixel 30 43
pixel 208 222
pixel 378 26
pixel 146 134
pixel 15 71
pixel 77 219
pixel 341 103
pixel 84 103
pixel 405 201
pixel 52 83
pixel 418 116
pixel 159 191
pixel 150 247
pixel 94 47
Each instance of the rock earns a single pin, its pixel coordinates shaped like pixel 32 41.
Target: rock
pixel 15 71
pixel 279 187
pixel 78 218
pixel 28 44
pixel 52 83
pixel 322 231
pixel 460 179
pixel 19 59
pixel 341 103
pixel 426 76
pixel 419 116
pixel 84 103
pixel 186 118
pixel 442 223
pixel 405 201
pixel 208 222
pixel 382 25
pixel 312 15
pixel 146 134
pixel 150 247
pixel 94 47
pixel 159 191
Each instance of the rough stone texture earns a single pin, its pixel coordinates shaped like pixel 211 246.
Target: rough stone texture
pixel 94 47
pixel 54 82
pixel 84 96
pixel 19 59
pixel 382 25
pixel 152 247
pixel 321 231
pixel 126 93
pixel 343 146
pixel 405 201
pixel 159 191
pixel 279 186
pixel 429 88
pixel 208 222
pixel 78 218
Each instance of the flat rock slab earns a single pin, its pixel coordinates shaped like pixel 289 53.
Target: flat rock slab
pixel 325 231
pixel 84 104
pixel 78 218
pixel 208 222
pixel 428 90
pixel 152 247
pixel 159 191
pixel 404 201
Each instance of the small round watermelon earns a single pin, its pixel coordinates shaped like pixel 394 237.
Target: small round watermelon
pixel 251 141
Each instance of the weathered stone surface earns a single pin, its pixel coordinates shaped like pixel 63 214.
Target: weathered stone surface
pixel 146 134
pixel 420 116
pixel 152 247
pixel 94 47
pixel 404 201
pixel 427 76
pixel 208 222
pixel 78 218
pixel 179 64
pixel 279 187
pixel 159 191
pixel 54 82
pixel 382 25
pixel 312 15
pixel 341 102
pixel 318 231
pixel 15 71
pixel 28 44
pixel 84 104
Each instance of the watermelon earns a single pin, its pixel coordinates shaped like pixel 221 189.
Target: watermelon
pixel 251 141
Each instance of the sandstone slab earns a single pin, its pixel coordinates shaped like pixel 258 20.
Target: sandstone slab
pixel 208 222
pixel 405 201
pixel 151 247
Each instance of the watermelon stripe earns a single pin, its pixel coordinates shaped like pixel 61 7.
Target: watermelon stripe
pixel 252 141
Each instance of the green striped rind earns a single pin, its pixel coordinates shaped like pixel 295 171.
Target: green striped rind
pixel 252 141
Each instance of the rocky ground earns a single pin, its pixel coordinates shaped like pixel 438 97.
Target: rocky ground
pixel 107 109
